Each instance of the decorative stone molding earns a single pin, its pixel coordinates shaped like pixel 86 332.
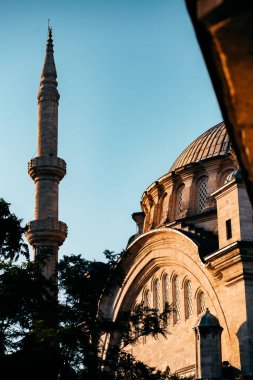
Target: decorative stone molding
pixel 46 232
pixel 46 166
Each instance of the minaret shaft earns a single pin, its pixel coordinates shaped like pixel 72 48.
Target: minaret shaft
pixel 47 128
pixel 46 233
pixel 46 198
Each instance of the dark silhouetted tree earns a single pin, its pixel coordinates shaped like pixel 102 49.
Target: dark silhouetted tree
pixel 42 340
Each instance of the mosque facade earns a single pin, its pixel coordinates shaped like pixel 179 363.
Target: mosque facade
pixel 193 249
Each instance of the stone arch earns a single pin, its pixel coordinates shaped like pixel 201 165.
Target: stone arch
pixel 165 282
pixel 163 209
pixel 198 177
pixel 175 284
pixel 155 250
pixel 200 302
pixel 202 193
pixel 188 298
pixel 179 200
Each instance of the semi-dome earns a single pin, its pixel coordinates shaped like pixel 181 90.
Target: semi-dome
pixel 212 143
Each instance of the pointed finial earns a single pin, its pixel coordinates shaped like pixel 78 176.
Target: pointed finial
pixel 48 84
pixel 50 38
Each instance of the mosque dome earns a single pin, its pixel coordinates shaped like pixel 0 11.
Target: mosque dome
pixel 184 194
pixel 212 143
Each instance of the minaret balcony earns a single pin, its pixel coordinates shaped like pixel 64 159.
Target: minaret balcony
pixel 46 232
pixel 44 166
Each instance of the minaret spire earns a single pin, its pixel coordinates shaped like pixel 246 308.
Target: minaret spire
pixel 46 233
pixel 48 82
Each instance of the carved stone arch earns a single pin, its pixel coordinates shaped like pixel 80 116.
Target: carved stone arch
pixel 201 192
pixel 178 201
pixel 156 286
pixel 196 292
pixel 160 190
pixel 176 299
pixel 163 273
pixel 153 280
pixel 188 297
pixel 184 280
pixel 172 275
pixel 163 207
pixel 201 302
pixel 225 173
pixel 165 286
pixel 149 212
pixel 155 250
pixel 145 288
pixel 146 296
pixel 199 174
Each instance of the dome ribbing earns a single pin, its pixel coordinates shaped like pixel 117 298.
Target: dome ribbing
pixel 212 143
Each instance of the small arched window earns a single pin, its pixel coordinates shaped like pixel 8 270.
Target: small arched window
pixel 229 176
pixel 157 295
pixel 166 289
pixel 176 299
pixel 179 201
pixel 188 299
pixel 147 298
pixel 201 303
pixel 163 209
pixel 202 195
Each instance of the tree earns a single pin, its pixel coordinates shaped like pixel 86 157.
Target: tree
pixel 32 346
pixel 11 234
pixel 83 284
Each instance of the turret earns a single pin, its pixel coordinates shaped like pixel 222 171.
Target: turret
pixel 208 347
pixel 46 233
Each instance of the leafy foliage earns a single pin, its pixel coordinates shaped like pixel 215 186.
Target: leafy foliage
pixel 44 338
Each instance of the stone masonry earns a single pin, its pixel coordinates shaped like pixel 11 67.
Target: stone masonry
pixel 46 233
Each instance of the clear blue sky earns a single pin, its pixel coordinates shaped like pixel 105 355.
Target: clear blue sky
pixel 134 93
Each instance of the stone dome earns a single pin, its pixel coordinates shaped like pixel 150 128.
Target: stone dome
pixel 212 143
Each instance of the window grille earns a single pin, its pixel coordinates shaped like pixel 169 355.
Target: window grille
pixel 179 207
pixel 147 298
pixel 157 295
pixel 176 299
pixel 202 198
pixel 201 303
pixel 166 289
pixel 188 300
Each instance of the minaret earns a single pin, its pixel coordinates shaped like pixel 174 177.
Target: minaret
pixel 46 233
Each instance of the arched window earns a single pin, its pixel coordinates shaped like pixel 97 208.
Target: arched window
pixel 202 195
pixel 166 289
pixel 229 176
pixel 188 299
pixel 147 298
pixel 176 299
pixel 163 209
pixel 157 295
pixel 179 201
pixel 201 303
